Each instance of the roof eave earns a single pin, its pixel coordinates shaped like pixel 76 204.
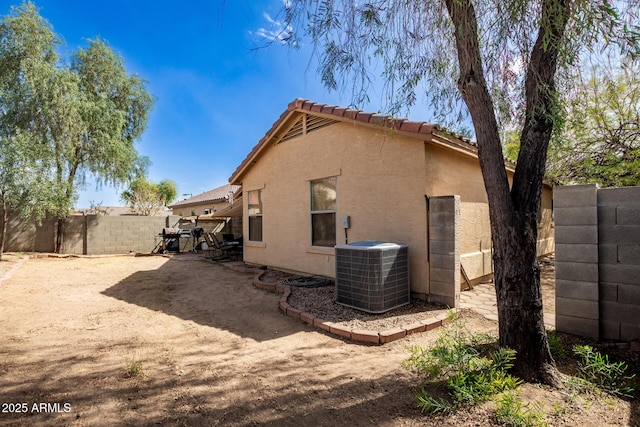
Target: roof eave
pixel 199 202
pixel 273 133
pixel 418 130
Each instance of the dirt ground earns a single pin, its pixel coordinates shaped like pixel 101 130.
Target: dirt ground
pixel 184 341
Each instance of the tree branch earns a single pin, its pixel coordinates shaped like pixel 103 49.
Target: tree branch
pixel 541 108
pixel 473 87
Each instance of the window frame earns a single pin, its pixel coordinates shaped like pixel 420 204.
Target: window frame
pixel 318 212
pixel 254 216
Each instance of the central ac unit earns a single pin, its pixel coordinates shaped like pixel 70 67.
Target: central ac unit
pixel 372 276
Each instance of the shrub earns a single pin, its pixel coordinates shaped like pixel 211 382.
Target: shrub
pixel 511 411
pixel 596 369
pixel 134 369
pixel 469 376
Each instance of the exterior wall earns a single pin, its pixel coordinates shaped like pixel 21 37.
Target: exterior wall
pixel 454 173
pixel 89 235
pixel 380 185
pixel 229 226
pixel 598 261
pixel 234 226
pixel 475 230
pixel 382 181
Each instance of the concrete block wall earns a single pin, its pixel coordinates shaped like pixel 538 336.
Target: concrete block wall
pixel 123 234
pixel 88 235
pixel 28 236
pixel 75 241
pixel 598 261
pixel 619 262
pixel 444 250
pixel 576 233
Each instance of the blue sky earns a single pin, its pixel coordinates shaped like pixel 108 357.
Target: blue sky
pixel 215 95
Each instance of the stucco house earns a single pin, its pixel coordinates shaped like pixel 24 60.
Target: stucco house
pixel 319 164
pixel 218 211
pixel 205 203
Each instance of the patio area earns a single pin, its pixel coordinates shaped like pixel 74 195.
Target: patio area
pixel 482 298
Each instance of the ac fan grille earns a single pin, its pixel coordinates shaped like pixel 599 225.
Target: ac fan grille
pixel 374 281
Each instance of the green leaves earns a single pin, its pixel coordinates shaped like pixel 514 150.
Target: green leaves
pixel 511 411
pixel 146 198
pixel 115 112
pixel 600 141
pixel 597 369
pixel 77 119
pixel 471 374
pixel 27 59
pixel 83 117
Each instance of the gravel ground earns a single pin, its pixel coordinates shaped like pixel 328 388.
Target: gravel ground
pixel 320 302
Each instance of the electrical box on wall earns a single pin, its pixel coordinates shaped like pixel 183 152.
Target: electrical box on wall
pixel 346 221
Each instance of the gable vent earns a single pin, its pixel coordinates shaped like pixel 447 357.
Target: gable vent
pixel 315 122
pixel 305 124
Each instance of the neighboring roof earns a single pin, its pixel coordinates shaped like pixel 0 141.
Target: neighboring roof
pixel 286 127
pixel 233 210
pixel 115 211
pixel 219 194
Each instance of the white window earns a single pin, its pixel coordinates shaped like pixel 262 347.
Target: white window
pixel 255 215
pixel 323 212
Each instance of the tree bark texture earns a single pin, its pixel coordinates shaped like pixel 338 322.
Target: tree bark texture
pixel 60 228
pixel 5 220
pixel 513 212
pixel 61 223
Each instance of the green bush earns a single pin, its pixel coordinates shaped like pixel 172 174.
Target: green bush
pixel 596 369
pixel 468 375
pixel 511 411
pixel 134 369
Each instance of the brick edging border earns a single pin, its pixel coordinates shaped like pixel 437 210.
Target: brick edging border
pixel 357 335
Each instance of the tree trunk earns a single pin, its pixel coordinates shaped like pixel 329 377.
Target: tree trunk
pixel 519 298
pixel 513 212
pixel 60 228
pixel 5 221
pixel 61 223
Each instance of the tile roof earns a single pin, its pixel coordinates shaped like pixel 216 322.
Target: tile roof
pixel 421 130
pixel 218 194
pixel 116 211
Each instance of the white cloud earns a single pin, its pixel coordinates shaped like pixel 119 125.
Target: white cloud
pixel 271 20
pixel 279 31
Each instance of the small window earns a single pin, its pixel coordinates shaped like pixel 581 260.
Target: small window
pixel 255 215
pixel 207 211
pixel 323 212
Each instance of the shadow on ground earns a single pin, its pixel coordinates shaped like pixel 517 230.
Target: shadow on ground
pixel 192 288
pixel 203 396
